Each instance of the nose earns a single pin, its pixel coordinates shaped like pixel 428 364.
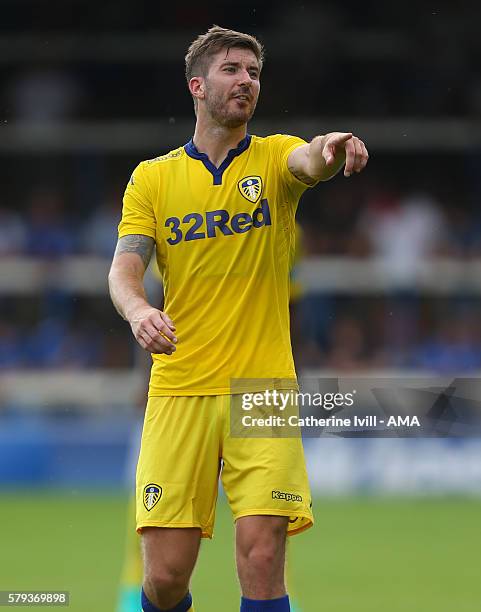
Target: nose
pixel 245 78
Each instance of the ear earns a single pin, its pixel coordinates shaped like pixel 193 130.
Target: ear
pixel 197 87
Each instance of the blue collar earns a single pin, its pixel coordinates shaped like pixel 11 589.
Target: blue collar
pixel 217 173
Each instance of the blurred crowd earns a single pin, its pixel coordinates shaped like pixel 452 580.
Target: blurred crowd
pixel 58 330
pixel 341 219
pixel 324 60
pixel 400 219
pixel 49 229
pixel 400 331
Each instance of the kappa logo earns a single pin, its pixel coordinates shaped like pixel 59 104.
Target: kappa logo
pixel 286 496
pixel 152 494
pixel 250 188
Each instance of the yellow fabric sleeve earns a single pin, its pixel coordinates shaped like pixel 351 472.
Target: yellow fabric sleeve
pixel 281 146
pixel 137 214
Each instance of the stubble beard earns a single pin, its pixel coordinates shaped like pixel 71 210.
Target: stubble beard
pixel 218 108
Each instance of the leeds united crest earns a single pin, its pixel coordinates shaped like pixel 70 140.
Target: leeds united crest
pixel 251 188
pixel 152 494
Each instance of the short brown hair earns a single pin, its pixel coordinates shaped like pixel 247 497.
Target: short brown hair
pixel 208 44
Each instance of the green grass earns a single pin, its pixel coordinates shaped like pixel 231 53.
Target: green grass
pixel 363 555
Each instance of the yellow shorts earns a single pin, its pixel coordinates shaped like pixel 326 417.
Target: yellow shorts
pixel 186 445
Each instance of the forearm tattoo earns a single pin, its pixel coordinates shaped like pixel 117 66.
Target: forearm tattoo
pixel 304 178
pixel 136 243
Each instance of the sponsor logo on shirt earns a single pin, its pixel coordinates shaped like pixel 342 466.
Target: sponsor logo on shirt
pixel 216 223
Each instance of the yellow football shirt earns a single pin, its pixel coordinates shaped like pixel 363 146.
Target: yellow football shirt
pixel 225 239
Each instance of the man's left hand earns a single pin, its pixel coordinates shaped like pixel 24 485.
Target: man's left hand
pixel 344 145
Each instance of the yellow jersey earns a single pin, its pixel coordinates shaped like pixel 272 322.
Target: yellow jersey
pixel 225 240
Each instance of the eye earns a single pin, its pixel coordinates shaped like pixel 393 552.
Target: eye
pixel 229 69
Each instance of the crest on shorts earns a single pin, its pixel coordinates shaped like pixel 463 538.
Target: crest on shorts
pixel 251 188
pixel 152 494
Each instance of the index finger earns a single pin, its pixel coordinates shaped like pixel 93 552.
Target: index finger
pixel 341 137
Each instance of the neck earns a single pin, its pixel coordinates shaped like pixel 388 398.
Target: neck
pixel 216 140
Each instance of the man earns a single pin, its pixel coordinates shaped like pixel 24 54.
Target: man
pixel 131 575
pixel 220 212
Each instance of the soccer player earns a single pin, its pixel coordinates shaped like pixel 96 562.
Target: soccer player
pixel 131 576
pixel 220 213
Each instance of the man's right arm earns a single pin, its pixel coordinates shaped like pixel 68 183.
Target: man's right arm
pixel 152 328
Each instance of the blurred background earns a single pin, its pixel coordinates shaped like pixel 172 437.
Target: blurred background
pixel 389 283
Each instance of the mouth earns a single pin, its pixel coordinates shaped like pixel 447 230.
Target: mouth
pixel 242 97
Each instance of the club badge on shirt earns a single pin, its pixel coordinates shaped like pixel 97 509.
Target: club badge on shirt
pixel 152 494
pixel 250 188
